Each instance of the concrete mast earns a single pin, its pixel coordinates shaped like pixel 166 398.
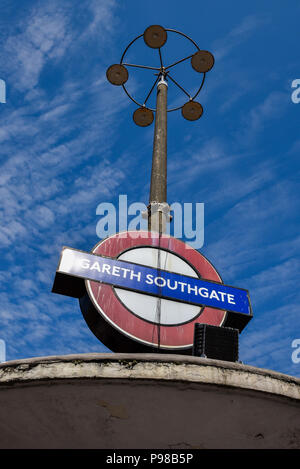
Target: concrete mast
pixel 158 208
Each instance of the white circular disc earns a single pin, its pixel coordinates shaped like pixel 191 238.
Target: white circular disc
pixel 146 306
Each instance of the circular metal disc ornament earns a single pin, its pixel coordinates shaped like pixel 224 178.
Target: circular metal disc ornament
pixel 155 36
pixel 192 110
pixel 143 116
pixel 117 74
pixel 202 61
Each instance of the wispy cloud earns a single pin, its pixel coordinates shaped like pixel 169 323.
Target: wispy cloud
pixel 44 37
pixel 239 33
pixel 273 107
pixel 45 139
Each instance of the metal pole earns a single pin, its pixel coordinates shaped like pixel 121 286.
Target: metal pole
pixel 158 209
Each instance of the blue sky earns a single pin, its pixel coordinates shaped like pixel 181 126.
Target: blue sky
pixel 68 143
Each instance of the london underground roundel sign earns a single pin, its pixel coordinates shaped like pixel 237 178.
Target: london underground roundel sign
pixel 139 291
pixel 147 319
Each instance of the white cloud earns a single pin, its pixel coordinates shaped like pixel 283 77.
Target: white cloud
pixel 46 34
pixel 241 32
pixel 43 37
pixel 273 107
pixel 46 141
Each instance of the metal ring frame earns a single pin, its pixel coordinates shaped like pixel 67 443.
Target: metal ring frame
pixel 191 98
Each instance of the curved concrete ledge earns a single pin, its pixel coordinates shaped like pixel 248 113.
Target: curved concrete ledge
pixel 150 366
pixel 145 401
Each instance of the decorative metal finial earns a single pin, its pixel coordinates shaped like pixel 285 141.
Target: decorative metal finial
pixel 202 61
pixel 155 37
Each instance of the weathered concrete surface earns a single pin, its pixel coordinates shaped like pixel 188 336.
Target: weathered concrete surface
pixel 145 401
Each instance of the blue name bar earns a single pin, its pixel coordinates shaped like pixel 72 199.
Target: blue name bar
pixel 153 281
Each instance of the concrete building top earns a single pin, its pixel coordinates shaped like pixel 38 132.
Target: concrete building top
pixel 149 367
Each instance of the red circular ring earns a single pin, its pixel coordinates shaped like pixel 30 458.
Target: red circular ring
pixel 109 306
